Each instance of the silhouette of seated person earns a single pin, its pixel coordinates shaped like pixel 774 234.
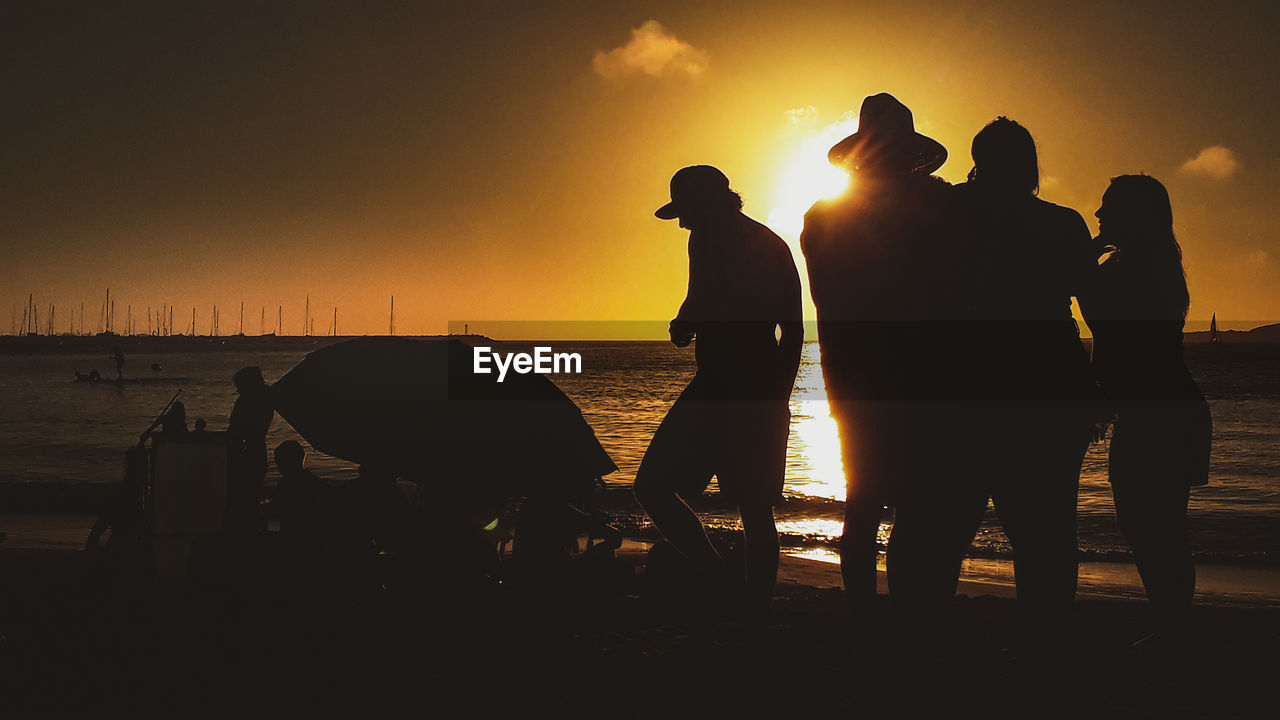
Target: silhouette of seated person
pixel 547 538
pixel 369 514
pixel 172 425
pixel 299 497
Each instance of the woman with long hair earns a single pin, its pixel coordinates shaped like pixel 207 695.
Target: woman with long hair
pixel 1162 428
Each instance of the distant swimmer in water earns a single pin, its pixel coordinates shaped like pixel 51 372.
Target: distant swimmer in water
pixel 117 355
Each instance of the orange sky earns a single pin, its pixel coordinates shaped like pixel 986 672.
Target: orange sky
pixel 503 161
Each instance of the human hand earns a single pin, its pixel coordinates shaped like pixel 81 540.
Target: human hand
pixel 681 332
pixel 1100 430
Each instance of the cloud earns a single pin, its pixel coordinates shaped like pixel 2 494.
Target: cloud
pixel 805 116
pixel 652 51
pixel 1216 161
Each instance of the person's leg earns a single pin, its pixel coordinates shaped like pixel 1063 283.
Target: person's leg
pixel 864 504
pixel 859 550
pixel 761 539
pixel 1153 518
pixel 931 536
pixel 752 466
pixel 1036 501
pixel 939 505
pixel 676 454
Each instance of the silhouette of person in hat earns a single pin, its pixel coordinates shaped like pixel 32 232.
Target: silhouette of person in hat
pixel 882 272
pixel 1030 376
pixel 1161 438
pixel 732 420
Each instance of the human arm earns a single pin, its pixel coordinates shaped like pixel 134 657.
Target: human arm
pixel 791 322
pixel 682 328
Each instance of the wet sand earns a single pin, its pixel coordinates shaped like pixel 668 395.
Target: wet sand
pixel 81 637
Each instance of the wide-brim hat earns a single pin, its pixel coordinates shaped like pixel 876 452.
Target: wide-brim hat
pixel 887 136
pixel 692 187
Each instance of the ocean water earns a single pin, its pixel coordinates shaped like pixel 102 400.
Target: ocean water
pixel 62 442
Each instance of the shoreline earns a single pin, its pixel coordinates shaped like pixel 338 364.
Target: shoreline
pixel 1225 585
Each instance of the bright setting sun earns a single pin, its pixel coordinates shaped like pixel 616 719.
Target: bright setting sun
pixel 807 177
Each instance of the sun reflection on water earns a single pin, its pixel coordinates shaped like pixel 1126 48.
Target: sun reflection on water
pixel 811 527
pixel 824 530
pixel 814 466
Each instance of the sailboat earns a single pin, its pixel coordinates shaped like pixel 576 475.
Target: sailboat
pixel 1213 330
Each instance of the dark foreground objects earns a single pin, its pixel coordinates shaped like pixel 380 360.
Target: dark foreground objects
pixel 1162 433
pixel 494 463
pixel 732 420
pixel 884 275
pixel 1030 380
pixel 81 642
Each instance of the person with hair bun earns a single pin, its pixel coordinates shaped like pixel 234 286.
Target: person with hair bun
pixel 1029 381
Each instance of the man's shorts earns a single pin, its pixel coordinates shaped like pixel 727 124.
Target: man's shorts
pixel 709 432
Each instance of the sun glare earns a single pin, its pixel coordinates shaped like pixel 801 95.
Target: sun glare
pixel 806 177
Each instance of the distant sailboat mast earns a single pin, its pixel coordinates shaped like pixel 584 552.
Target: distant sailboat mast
pixel 1213 330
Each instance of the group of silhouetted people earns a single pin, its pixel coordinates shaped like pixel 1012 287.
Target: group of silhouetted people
pixel 363 516
pixel 953 367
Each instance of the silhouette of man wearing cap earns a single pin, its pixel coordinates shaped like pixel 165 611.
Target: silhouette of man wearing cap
pixel 732 420
pixel 885 283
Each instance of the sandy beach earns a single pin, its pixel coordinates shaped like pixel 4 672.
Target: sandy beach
pixel 80 636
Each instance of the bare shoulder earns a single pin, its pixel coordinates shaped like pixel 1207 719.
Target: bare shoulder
pixel 1062 214
pixel 770 245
